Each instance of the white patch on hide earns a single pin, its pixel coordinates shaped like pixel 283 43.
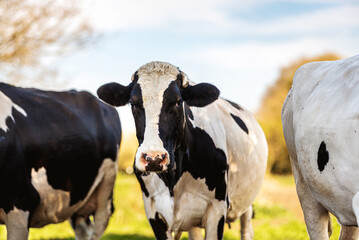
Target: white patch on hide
pixel 208 119
pixel 6 106
pixel 18 217
pixel 17 224
pixel 153 86
pixel 195 204
pixel 159 199
pixel 53 201
pixel 54 204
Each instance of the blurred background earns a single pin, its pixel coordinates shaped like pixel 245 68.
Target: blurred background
pixel 249 49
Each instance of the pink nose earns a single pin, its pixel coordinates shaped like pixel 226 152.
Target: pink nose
pixel 154 161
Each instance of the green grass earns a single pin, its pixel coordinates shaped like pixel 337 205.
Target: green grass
pixel 129 222
pixel 274 222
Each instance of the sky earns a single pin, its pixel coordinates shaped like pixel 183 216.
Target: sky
pixel 237 45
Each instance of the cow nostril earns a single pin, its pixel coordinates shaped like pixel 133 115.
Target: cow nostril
pixel 146 157
pixel 163 156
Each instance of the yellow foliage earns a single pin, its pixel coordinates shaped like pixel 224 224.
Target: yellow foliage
pixel 269 113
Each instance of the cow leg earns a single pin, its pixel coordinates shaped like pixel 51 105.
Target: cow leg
pixel 178 236
pixel 101 219
pixel 214 221
pixel 104 202
pixel 349 233
pixel 316 217
pixel 195 234
pixel 18 220
pixel 83 227
pixel 246 224
pixel 17 224
pixel 160 228
pixel 214 229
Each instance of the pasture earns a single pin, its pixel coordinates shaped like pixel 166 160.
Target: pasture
pixel 277 215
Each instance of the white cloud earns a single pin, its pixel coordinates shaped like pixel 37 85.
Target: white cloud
pixel 243 71
pixel 212 16
pixel 257 55
pixel 331 21
pixel 110 15
pixel 254 62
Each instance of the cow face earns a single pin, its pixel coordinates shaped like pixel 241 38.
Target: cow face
pixel 157 95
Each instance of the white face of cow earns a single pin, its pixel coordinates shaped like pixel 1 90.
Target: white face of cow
pixel 156 95
pixel 151 153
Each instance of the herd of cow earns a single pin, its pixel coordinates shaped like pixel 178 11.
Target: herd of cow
pixel 201 159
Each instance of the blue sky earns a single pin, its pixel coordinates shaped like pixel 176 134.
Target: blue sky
pixel 238 45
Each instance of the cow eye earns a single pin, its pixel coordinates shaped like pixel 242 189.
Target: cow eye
pixel 178 103
pixel 133 106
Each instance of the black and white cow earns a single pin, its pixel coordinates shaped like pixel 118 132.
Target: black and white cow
pixel 201 159
pixel 57 160
pixel 320 119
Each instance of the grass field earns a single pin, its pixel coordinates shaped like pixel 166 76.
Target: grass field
pixel 277 215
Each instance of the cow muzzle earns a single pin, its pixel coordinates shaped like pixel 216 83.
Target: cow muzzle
pixel 154 161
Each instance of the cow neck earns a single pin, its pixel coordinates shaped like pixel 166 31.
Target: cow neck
pixel 182 152
pixel 199 156
pixel 170 178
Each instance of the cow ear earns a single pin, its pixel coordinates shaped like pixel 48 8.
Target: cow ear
pixel 200 95
pixel 115 94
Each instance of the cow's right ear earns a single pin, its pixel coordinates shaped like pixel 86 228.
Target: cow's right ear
pixel 115 94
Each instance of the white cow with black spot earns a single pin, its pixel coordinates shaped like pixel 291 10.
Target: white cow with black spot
pixel 321 128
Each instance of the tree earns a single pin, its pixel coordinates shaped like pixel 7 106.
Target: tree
pixel 31 31
pixel 269 114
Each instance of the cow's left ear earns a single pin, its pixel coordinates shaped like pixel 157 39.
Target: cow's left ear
pixel 115 94
pixel 200 95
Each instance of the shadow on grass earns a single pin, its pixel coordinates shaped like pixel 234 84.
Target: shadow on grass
pixel 126 237
pixel 111 237
pixel 130 237
pixel 54 238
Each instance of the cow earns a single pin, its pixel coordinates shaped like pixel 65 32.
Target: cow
pixel 201 159
pixel 57 160
pixel 320 124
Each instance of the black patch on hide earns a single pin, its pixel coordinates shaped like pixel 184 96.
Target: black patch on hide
pixel 323 156
pixel 240 123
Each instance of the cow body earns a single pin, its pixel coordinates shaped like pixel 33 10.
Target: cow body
pixel 57 160
pixel 199 165
pixel 201 187
pixel 320 124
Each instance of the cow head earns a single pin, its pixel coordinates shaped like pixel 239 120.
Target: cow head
pixel 157 95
